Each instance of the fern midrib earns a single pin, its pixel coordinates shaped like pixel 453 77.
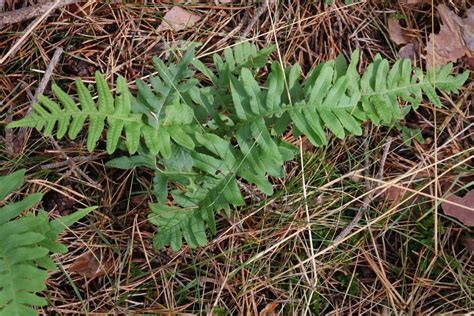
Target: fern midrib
pixel 64 114
pixel 433 84
pixel 265 114
pixel 93 114
pixel 269 114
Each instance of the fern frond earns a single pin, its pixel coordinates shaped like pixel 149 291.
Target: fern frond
pixel 200 140
pixel 333 97
pixel 68 117
pixel 25 245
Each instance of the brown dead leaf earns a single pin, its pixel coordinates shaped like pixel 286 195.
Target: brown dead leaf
pixel 463 210
pixel 269 310
pixel 87 265
pixel 469 61
pixel 468 30
pixel 407 52
pixel 397 34
pixel 178 19
pixel 455 39
pixel 393 193
pixel 468 243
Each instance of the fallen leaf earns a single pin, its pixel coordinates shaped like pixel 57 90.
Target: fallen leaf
pixel 87 265
pixel 468 243
pixel 269 310
pixel 393 193
pixel 397 34
pixel 178 19
pixel 407 52
pixel 468 29
pixel 469 62
pixel 463 210
pixel 455 39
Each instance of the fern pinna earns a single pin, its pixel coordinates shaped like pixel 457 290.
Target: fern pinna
pixel 202 137
pixel 25 245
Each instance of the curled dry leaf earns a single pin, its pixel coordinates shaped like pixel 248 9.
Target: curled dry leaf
pixel 468 243
pixel 463 209
pixel 469 61
pixel 269 310
pixel 392 193
pixel 407 52
pixel 455 39
pixel 400 37
pixel 178 19
pixel 397 34
pixel 87 265
pixel 468 30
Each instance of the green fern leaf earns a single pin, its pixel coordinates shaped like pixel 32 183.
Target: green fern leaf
pixel 25 245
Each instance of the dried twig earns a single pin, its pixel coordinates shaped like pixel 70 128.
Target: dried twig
pixel 30 12
pixel 245 21
pixel 28 31
pixel 60 164
pixel 74 166
pixel 47 74
pixel 260 10
pixel 24 132
pixel 9 147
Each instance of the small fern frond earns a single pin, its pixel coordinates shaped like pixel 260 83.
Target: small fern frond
pixel 68 117
pixel 25 245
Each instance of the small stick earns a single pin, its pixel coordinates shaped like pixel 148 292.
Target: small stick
pixel 231 33
pixel 47 75
pixel 386 148
pixel 9 136
pixel 368 197
pixel 24 132
pixel 59 164
pixel 30 12
pixel 260 10
pixel 73 165
pixel 28 31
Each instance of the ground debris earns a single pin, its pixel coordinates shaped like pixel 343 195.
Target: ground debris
pixel 455 39
pixel 397 34
pixel 463 209
pixel 178 19
pixel 90 265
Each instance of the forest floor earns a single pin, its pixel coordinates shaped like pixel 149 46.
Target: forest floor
pixel 404 255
